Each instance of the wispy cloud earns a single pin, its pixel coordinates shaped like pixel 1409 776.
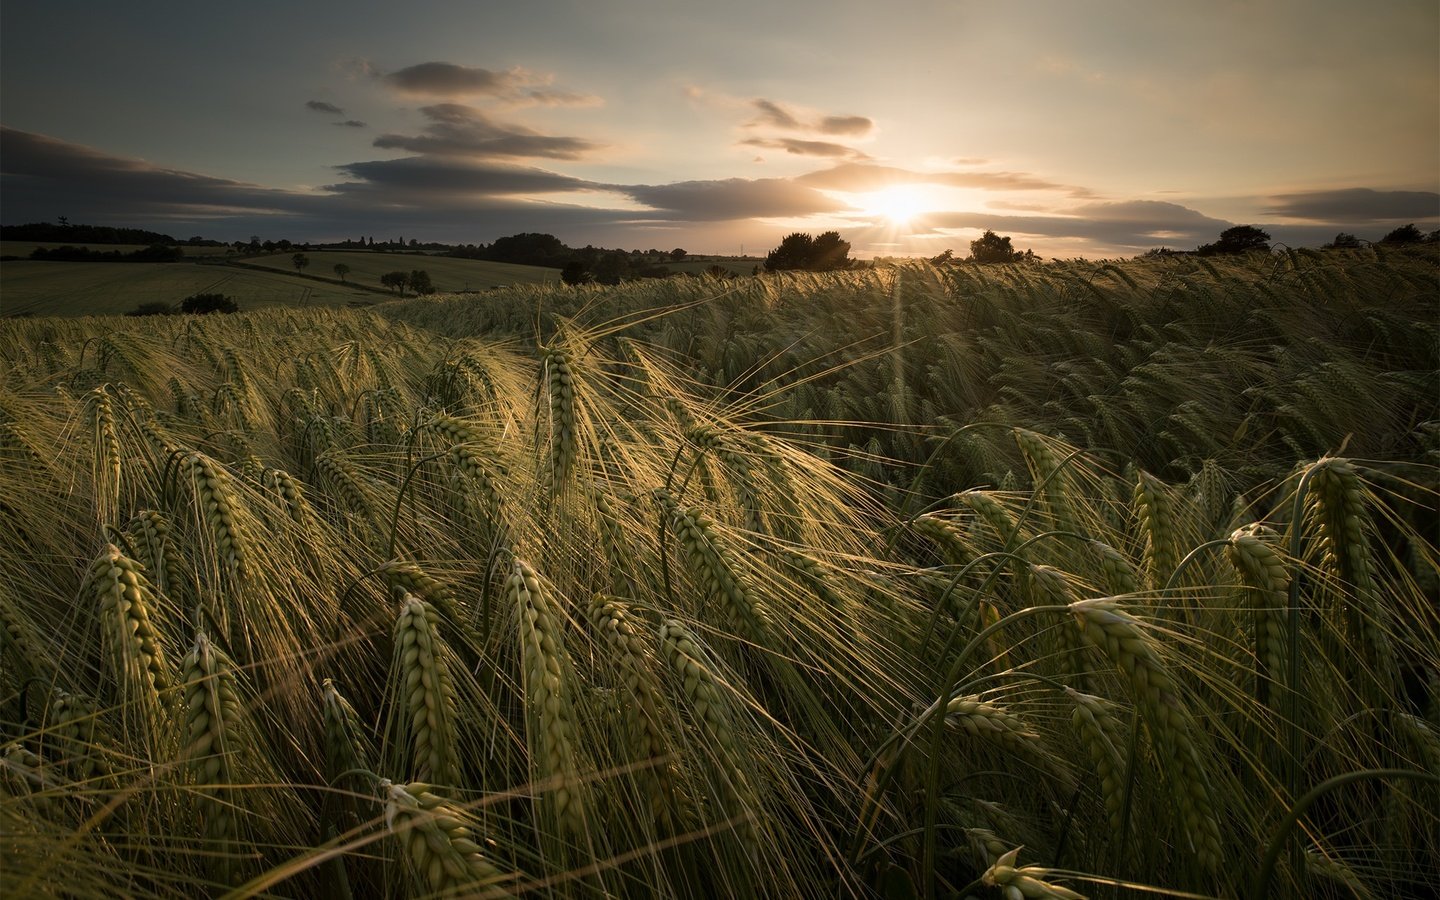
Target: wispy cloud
pixel 352 123
pixel 459 130
pixel 773 114
pixel 321 106
pixel 800 147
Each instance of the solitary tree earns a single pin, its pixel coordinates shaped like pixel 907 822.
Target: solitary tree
pixel 395 281
pixel 342 270
pixel 678 254
pixel 993 248
pixel 300 261
pixel 1343 241
pixel 1240 239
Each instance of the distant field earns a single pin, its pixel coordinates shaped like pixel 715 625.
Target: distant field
pixel 736 265
pixel 446 273
pixel 95 289
pixel 25 248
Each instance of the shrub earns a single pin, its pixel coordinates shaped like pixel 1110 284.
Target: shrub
pixel 154 308
pixel 208 303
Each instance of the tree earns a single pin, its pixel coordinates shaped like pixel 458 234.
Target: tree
pixel 575 273
pixel 1240 239
pixel 678 254
pixel 300 261
pixel 419 281
pixel 1343 241
pixel 395 281
pixel 993 248
pixel 208 303
pixel 342 270
pixel 800 251
pixel 829 252
pixel 1405 234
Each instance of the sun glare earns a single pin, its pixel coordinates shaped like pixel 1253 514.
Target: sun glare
pixel 899 205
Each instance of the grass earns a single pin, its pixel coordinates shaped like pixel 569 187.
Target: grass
pixel 446 273
pixel 99 289
pixel 901 583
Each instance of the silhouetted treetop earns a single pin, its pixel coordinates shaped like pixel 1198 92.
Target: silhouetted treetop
pixel 800 251
pixel 1240 239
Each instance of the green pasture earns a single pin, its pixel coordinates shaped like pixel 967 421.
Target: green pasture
pixel 448 274
pixel 95 289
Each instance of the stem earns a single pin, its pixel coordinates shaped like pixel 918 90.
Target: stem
pixel 1260 887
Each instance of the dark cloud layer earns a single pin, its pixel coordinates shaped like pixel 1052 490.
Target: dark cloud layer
pixel 1132 226
pixel 321 106
pixel 43 174
pixel 432 177
pixel 734 198
pixel 1356 205
pixel 459 130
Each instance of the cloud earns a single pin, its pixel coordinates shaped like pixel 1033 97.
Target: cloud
pixel 824 149
pixel 442 79
pixel 1122 226
pixel 846 125
pixel 459 130
pixel 450 80
pixel 42 174
pixel 734 198
pixel 321 106
pixel 860 178
pixel 352 123
pixel 1355 205
pixel 404 179
pixel 776 115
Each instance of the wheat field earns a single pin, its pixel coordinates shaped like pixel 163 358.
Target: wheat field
pixel 1059 580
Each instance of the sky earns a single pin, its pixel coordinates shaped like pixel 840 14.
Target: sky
pixel 1083 128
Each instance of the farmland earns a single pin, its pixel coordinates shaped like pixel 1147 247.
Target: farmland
pixel 92 288
pixel 1022 580
pixel 446 273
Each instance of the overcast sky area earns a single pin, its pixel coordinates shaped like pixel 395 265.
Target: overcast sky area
pixel 1100 128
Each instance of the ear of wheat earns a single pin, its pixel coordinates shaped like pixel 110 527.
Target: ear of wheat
pixel 424 692
pixel 547 680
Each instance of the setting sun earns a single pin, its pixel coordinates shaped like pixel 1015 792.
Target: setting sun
pixel 899 205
